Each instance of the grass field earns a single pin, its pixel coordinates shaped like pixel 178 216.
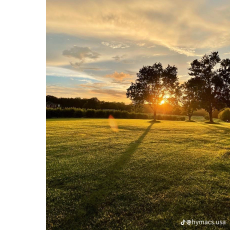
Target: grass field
pixel 145 176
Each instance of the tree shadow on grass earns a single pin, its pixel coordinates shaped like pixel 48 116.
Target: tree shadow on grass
pixel 226 155
pixel 219 127
pixel 153 122
pixel 220 167
pixel 91 203
pixel 212 123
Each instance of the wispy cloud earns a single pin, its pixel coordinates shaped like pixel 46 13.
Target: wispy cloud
pixel 186 51
pixel 81 53
pixel 118 58
pixel 81 67
pixel 119 76
pixel 140 44
pixel 110 92
pixel 194 24
pixel 151 46
pixel 65 72
pixel 131 72
pixel 115 45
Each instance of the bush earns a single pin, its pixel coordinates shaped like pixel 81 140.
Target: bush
pixel 117 114
pixel 48 113
pixel 224 115
pixel 170 117
pixel 90 113
pixel 108 113
pixel 200 112
pixel 68 113
pixel 100 114
pixel 141 116
pixel 132 115
pixel 79 113
pixel 124 114
pixel 53 113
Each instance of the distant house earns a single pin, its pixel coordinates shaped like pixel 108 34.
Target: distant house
pixel 50 104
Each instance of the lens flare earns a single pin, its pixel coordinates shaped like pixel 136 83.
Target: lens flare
pixel 113 123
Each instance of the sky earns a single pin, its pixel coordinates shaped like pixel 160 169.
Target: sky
pixel 95 48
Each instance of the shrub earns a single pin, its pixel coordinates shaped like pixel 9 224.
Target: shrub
pixel 79 113
pixel 117 114
pixel 132 115
pixel 107 112
pixel 48 113
pixel 124 114
pixel 200 112
pixel 170 117
pixel 224 115
pixel 67 113
pixel 100 114
pixel 141 116
pixel 90 113
pixel 53 113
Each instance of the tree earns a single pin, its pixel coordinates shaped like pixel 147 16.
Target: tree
pixel 92 103
pixel 224 72
pixel 153 85
pixel 210 84
pixel 190 99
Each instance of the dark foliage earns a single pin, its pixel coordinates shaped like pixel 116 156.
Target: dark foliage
pixel 91 113
pixel 153 84
pixel 92 103
pixel 211 85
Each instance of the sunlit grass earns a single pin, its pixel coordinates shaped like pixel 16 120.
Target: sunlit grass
pixel 146 176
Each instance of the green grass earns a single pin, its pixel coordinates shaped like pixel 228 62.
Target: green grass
pixel 146 176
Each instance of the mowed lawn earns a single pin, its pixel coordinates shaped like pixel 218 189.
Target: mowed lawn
pixel 145 176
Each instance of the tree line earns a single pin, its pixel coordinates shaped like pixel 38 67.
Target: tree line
pixel 208 88
pixel 92 103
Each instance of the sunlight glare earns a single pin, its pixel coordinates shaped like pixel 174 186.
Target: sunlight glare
pixel 162 102
pixel 113 123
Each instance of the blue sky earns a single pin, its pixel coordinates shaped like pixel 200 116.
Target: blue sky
pixel 95 48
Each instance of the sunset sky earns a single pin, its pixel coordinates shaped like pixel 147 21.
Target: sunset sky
pixel 95 48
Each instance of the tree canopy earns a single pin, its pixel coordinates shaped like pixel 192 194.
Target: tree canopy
pixel 189 98
pixel 211 84
pixel 153 85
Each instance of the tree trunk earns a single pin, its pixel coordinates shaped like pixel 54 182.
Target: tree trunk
pixel 189 117
pixel 155 115
pixel 210 116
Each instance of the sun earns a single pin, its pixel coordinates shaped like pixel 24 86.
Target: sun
pixel 162 102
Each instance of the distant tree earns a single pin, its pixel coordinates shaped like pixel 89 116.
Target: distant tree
pixel 92 103
pixel 51 99
pixel 153 85
pixel 211 88
pixel 224 72
pixel 189 99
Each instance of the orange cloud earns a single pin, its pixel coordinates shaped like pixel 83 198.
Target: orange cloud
pixel 119 76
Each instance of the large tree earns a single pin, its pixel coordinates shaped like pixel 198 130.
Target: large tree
pixel 224 72
pixel 210 83
pixel 190 98
pixel 153 85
